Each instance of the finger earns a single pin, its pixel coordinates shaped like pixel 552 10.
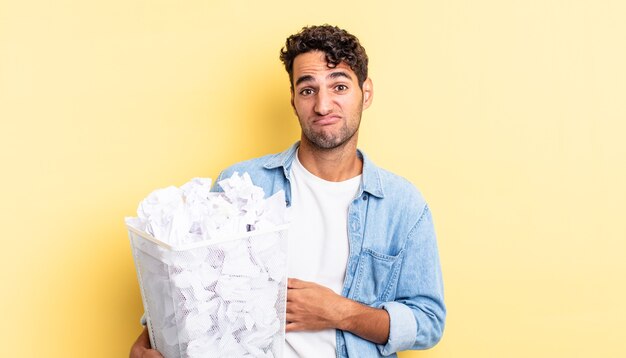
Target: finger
pixel 291 318
pixel 290 308
pixel 141 345
pixel 292 282
pixel 296 283
pixel 144 339
pixel 292 295
pixel 293 327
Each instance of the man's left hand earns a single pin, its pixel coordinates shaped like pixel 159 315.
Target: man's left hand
pixel 313 307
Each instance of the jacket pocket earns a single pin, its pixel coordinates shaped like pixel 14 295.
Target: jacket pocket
pixel 376 277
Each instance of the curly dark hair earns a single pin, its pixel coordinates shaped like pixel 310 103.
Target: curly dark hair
pixel 338 45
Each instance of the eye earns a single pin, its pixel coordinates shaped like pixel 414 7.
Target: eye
pixel 306 92
pixel 341 88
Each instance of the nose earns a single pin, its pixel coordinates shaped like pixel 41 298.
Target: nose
pixel 323 103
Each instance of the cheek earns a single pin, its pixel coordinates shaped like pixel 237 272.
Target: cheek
pixel 297 110
pixel 352 100
pixel 300 107
pixel 349 106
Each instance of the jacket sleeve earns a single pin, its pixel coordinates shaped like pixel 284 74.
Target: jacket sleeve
pixel 417 315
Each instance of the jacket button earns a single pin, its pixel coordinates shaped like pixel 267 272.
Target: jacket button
pixel 364 197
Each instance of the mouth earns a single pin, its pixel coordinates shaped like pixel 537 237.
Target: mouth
pixel 327 120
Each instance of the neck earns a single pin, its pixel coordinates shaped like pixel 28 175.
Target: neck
pixel 337 164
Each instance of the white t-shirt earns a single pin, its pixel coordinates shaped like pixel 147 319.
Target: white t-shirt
pixel 318 246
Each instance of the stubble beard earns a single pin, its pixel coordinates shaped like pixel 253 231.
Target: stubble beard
pixel 327 141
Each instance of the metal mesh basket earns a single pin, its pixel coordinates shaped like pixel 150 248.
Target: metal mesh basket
pixel 218 298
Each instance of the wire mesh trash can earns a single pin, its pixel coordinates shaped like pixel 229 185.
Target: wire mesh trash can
pixel 223 297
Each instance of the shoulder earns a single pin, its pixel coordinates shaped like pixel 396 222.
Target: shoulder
pixel 262 171
pixel 270 163
pixel 251 166
pixel 400 191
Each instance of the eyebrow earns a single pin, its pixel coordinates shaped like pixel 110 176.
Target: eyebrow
pixel 304 78
pixel 333 75
pixel 340 74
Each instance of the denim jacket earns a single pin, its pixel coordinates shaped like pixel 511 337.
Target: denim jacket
pixel 393 260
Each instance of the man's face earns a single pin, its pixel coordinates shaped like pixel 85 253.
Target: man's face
pixel 327 101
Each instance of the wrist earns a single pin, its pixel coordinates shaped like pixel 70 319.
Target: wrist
pixel 348 313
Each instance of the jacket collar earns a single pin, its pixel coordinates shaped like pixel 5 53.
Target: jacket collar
pixel 370 181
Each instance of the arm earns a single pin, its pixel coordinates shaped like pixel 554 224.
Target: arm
pixel 417 312
pixel 141 347
pixel 312 307
pixel 414 319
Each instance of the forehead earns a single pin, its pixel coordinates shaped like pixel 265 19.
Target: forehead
pixel 314 64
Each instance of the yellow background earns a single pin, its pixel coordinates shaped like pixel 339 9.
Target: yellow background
pixel 508 115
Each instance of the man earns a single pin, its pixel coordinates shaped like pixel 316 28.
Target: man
pixel 364 268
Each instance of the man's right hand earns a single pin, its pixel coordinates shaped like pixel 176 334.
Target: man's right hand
pixel 141 347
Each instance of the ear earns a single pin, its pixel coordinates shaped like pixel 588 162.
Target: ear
pixel 368 92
